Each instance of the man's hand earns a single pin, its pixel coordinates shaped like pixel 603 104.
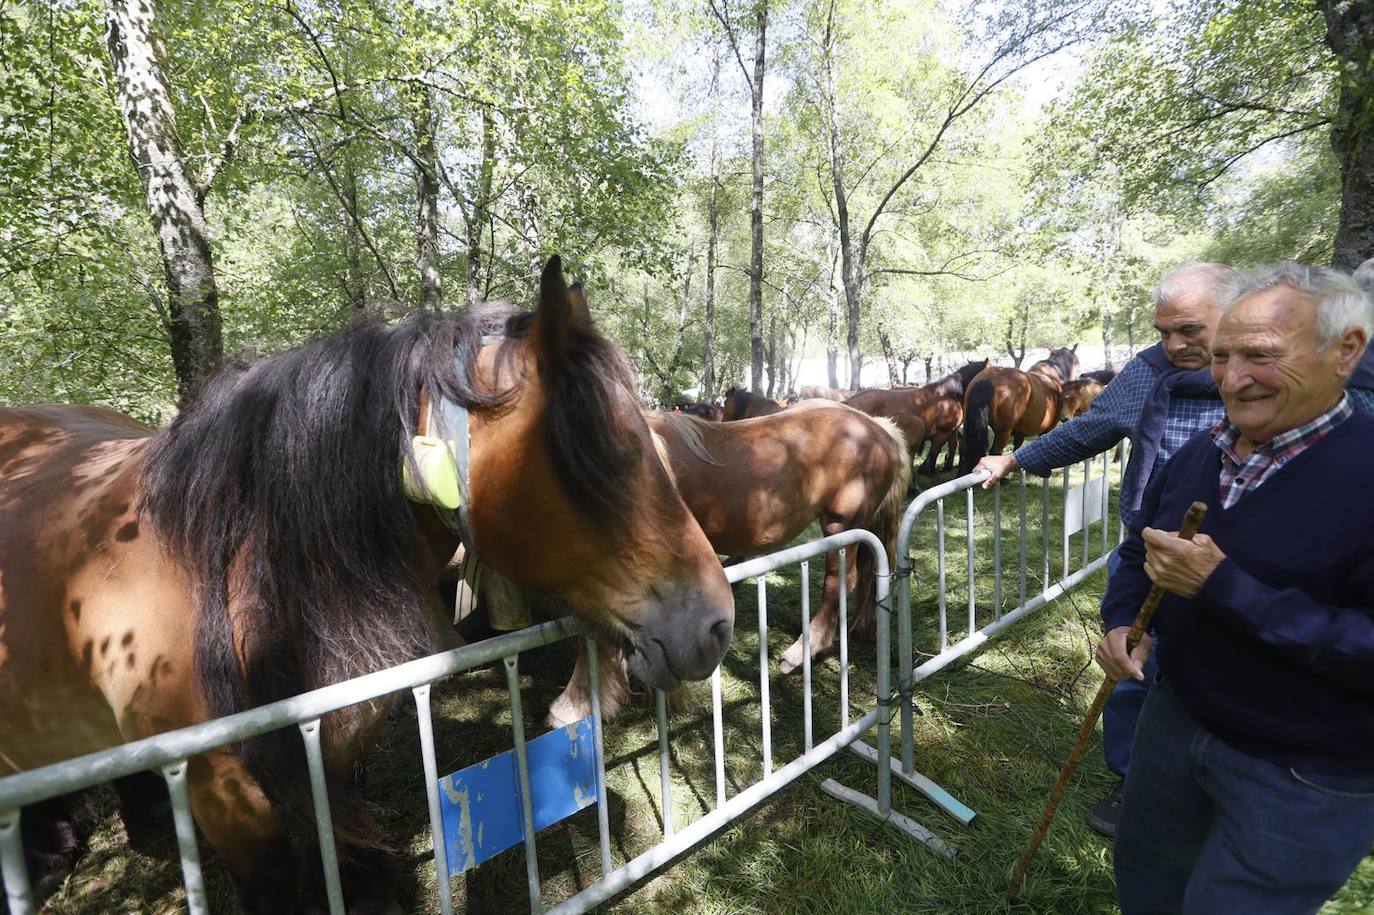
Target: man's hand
pixel 999 465
pixel 1112 657
pixel 1180 566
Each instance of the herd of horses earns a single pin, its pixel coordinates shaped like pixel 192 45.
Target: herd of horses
pixel 267 543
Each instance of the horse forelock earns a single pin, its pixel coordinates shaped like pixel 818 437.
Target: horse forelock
pixel 597 438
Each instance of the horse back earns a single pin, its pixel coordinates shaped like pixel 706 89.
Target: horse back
pixel 92 617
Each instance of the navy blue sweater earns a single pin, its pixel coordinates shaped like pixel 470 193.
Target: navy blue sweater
pixel 1275 655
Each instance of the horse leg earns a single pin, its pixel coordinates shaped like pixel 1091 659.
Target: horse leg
pixel 613 677
pixel 952 454
pixel 999 441
pixel 55 837
pixel 247 833
pixel 937 441
pixel 825 621
pixel 146 809
pixel 1017 440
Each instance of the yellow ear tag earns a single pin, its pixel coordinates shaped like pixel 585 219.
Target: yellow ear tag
pixel 438 471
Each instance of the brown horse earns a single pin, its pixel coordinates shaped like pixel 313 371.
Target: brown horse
pixel 742 404
pixel 1077 396
pixel 755 485
pixel 939 405
pixel 1014 403
pixel 263 545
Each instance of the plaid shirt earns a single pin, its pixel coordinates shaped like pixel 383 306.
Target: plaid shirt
pixel 1114 415
pixel 1240 475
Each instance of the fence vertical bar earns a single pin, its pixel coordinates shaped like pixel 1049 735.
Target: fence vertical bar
pixel 972 591
pixel 806 652
pixel 1087 528
pixel 883 588
pixel 522 769
pixel 1045 533
pixel 324 823
pixel 665 781
pixel 905 661
pixel 765 709
pixel 1066 521
pixel 185 825
pixel 603 825
pixel 1021 595
pixel 719 738
pixel 997 552
pixel 940 569
pixel 13 867
pixel 844 643
pixel 424 722
pixel 1106 500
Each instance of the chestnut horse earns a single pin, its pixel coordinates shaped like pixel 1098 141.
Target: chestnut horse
pixel 263 545
pixel 1014 403
pixel 939 405
pixel 742 404
pixel 1077 396
pixel 755 485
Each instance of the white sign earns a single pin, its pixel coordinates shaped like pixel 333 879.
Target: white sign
pixel 1074 520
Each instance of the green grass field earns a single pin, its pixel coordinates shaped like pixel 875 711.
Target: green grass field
pixel 992 729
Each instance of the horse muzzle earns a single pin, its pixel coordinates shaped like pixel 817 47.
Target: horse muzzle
pixel 683 636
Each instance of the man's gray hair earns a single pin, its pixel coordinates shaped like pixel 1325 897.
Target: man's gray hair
pixel 1215 281
pixel 1341 301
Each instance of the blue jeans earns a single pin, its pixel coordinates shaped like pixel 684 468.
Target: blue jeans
pixel 1208 830
pixel 1122 711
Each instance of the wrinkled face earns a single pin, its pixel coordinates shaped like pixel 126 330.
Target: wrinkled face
pixel 1270 368
pixel 1186 325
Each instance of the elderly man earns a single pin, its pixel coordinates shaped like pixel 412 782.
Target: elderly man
pixel 1251 788
pixel 1162 397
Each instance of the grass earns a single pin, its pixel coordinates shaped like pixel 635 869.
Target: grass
pixel 992 729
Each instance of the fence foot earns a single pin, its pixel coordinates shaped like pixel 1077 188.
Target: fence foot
pixel 941 798
pixel 899 821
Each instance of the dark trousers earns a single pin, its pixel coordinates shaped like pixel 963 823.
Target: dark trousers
pixel 1122 711
pixel 1208 830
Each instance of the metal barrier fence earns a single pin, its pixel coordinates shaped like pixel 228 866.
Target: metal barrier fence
pixel 1082 507
pixel 171 751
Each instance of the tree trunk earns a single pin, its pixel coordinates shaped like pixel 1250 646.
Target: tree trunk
pixel 756 208
pixel 851 282
pixel 708 361
pixel 889 356
pixel 1350 35
pixel 427 203
pixel 481 201
pixel 770 352
pixel 174 206
pixel 832 347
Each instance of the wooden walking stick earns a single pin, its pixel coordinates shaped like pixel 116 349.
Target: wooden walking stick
pixel 1191 522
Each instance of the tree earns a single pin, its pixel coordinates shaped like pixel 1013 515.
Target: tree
pixel 175 203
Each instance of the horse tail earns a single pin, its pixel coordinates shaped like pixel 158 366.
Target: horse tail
pixel 977 416
pixel 883 526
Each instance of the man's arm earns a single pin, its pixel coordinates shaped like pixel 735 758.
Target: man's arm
pixel 1112 416
pixel 1333 640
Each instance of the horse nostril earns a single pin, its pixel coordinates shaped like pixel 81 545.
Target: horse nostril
pixel 721 631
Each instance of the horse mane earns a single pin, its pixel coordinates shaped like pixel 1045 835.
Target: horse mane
pixel 1062 360
pixel 689 428
pixel 955 383
pixel 279 492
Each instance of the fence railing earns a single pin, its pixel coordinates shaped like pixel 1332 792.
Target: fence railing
pixel 1081 508
pixel 170 752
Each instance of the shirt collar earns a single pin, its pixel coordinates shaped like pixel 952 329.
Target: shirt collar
pixel 1225 435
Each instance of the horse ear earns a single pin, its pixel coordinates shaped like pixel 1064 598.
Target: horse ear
pixel 1074 348
pixel 560 310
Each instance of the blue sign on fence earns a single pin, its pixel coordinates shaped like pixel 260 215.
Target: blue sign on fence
pixel 481 804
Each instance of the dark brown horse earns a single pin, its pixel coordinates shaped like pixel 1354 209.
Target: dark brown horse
pixel 1077 396
pixel 710 411
pixel 1015 404
pixel 939 405
pixel 755 485
pixel 742 404
pixel 263 545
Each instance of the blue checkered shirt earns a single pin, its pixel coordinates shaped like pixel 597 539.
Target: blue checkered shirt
pixel 1114 415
